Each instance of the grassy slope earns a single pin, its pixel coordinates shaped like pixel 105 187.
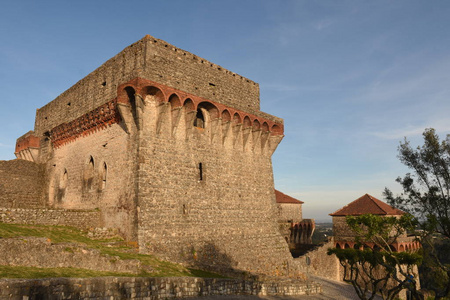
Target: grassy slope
pixel 114 247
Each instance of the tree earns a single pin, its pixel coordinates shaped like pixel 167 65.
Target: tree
pixel 379 268
pixel 426 195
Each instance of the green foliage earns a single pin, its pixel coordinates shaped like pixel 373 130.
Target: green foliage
pixel 380 230
pixel 426 195
pixel 378 268
pixel 376 258
pixel 426 191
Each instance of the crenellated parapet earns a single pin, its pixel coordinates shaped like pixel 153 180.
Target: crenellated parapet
pixel 95 120
pixel 404 244
pixel 27 147
pixel 302 232
pixel 175 114
pixel 180 114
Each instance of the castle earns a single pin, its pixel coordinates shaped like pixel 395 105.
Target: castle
pixel 167 148
pixel 172 152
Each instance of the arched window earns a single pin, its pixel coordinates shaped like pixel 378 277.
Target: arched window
pixel 199 120
pixel 104 175
pixel 89 172
pixel 90 167
pixel 64 179
pixel 61 192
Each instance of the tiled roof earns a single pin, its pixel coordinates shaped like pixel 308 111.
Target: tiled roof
pixel 367 205
pixel 283 198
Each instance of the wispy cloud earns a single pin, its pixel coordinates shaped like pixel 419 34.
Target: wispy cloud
pixel 399 133
pixel 322 24
pixel 442 127
pixel 409 80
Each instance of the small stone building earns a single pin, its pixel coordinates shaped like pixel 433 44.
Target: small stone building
pixel 296 230
pixel 344 237
pixel 289 208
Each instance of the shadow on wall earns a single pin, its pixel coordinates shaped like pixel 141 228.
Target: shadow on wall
pixel 210 258
pixel 65 288
pixel 41 291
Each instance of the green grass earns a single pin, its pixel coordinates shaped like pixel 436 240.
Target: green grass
pixel 114 247
pixel 33 272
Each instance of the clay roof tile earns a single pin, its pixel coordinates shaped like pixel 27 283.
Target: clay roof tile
pixel 283 198
pixel 367 204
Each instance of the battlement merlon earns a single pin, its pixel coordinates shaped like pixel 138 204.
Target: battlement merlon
pixel 158 61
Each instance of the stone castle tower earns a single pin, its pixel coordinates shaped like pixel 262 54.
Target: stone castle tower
pixel 168 148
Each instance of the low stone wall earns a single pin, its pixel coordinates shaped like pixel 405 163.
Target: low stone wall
pixel 42 253
pixel 321 264
pixel 78 218
pixel 145 288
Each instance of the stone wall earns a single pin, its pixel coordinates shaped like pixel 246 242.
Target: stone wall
pixel 321 264
pixel 206 195
pixel 97 171
pixel 83 219
pixel 42 253
pixel 155 60
pixel 21 184
pixel 341 229
pixel 289 212
pixel 145 288
pixel 198 195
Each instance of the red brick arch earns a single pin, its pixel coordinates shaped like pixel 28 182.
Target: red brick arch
pixel 165 93
pixel 256 124
pixel 237 118
pixel 188 104
pixel 276 130
pixel 174 101
pixel 226 116
pixel 210 107
pixel 125 93
pixel 153 91
pixel 247 122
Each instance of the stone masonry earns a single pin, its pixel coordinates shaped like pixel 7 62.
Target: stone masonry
pixel 146 288
pixel 168 148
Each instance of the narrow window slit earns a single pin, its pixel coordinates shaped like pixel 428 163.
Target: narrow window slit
pixel 200 171
pixel 104 174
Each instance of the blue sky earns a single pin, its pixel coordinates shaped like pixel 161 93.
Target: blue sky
pixel 350 78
